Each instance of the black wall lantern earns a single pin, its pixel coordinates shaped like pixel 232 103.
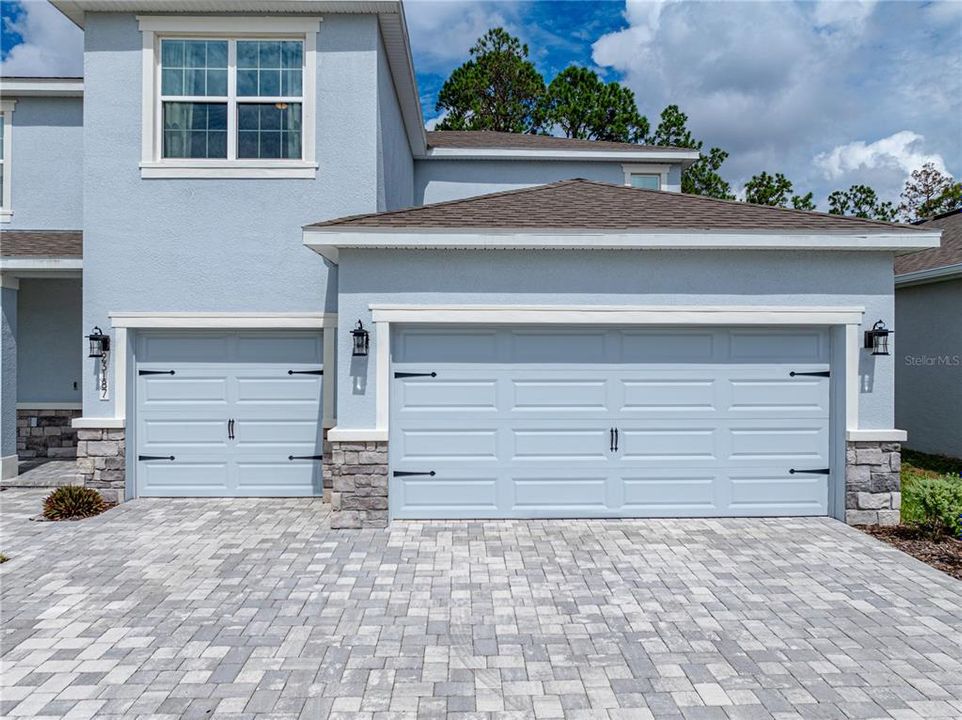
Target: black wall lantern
pixel 361 340
pixel 877 339
pixel 99 343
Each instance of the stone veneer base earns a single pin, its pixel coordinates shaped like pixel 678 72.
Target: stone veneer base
pixel 358 473
pixel 46 433
pixel 873 488
pixel 101 461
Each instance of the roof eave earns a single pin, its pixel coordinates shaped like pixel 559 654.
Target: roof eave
pixel 41 87
pixel 685 159
pixel 329 241
pixel 929 275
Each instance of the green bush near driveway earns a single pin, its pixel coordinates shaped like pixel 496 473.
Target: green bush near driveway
pixel 934 505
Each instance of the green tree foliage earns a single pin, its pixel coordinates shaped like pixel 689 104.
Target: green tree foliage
pixel 860 201
pixel 582 106
pixel 775 190
pixel 702 177
pixel 929 192
pixel 498 88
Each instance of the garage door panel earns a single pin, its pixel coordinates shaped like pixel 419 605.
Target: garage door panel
pixel 549 444
pixel 769 493
pixel 782 443
pixel 548 347
pixel 182 389
pixel 559 395
pixel 178 348
pixel 448 496
pixel 286 390
pixel 668 346
pixel 271 477
pixel 294 434
pixel 684 444
pixel 781 346
pixel 416 395
pixel 443 346
pixel 283 349
pixel 425 444
pixel 795 396
pixel 552 492
pixel 159 434
pixel 183 478
pixel 669 394
pixel 675 491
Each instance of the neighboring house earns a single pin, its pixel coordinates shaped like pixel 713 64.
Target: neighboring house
pixel 463 328
pixel 928 315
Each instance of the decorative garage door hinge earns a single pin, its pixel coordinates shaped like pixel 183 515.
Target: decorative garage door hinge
pixel 155 457
pixel 305 372
pixel 819 373
pixel 817 471
pixel 305 457
pixel 407 374
pixel 155 372
pixel 403 473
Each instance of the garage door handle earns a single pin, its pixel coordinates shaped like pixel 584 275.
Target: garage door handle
pixel 820 373
pixel 404 473
pixel 305 457
pixel 305 372
pixel 407 374
pixel 155 372
pixel 155 457
pixel 611 439
pixel 817 471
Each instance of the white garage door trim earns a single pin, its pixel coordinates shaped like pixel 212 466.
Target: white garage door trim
pixel 681 315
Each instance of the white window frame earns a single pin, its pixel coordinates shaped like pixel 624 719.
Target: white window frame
pixel 647 169
pixel 6 117
pixel 156 28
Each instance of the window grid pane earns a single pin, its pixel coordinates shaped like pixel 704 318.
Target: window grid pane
pixel 269 131
pixel 195 130
pixel 269 68
pixel 194 67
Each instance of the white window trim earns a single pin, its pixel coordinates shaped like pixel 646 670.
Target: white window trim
pixel 646 169
pixel 154 27
pixel 6 117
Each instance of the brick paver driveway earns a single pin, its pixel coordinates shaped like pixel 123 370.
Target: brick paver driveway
pixel 254 608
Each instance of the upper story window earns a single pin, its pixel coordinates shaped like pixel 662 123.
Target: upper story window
pixel 648 176
pixel 6 124
pixel 237 105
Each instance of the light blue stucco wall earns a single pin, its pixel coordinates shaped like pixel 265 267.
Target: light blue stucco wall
pixel 440 180
pixel 8 371
pixel 928 366
pixel 666 277
pixel 395 174
pixel 47 157
pixel 216 245
pixel 50 343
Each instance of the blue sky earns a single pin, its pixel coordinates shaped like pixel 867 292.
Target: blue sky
pixel 830 92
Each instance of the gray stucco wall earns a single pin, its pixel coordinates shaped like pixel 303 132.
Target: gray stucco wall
pixel 216 245
pixel 395 173
pixel 928 362
pixel 8 371
pixel 440 180
pixel 663 277
pixel 50 342
pixel 47 159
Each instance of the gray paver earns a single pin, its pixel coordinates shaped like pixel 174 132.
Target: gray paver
pixel 255 608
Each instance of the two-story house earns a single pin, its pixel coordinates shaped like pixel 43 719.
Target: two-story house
pixel 296 283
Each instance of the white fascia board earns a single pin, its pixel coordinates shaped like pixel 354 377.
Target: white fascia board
pixel 632 156
pixel 322 240
pixel 97 423
pixel 42 87
pixel 618 314
pixel 190 320
pixel 876 435
pixel 336 434
pixel 40 264
pixel 922 277
pixel 397 46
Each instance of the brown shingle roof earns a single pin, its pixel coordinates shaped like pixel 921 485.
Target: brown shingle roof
pixel 41 243
pixel 590 205
pixel 950 252
pixel 491 140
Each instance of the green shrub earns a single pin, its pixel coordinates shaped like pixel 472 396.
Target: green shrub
pixel 934 505
pixel 73 501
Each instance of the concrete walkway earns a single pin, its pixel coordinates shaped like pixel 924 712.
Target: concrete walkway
pixel 255 609
pixel 44 473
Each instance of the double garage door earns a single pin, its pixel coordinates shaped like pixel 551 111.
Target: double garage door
pixel 229 414
pixel 595 422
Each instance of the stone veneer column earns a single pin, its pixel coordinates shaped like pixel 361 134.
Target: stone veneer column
pixel 46 433
pixel 359 477
pixel 872 483
pixel 100 461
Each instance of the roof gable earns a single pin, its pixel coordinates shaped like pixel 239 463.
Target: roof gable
pixel 949 253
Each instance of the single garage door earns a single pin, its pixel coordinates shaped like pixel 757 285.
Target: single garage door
pixel 229 414
pixel 593 422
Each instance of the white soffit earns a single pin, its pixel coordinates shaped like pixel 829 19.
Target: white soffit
pixel 41 87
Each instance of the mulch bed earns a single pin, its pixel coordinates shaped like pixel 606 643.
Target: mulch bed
pixel 944 555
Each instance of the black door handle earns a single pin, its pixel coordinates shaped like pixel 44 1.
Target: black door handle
pixel 410 374
pixel 230 429
pixel 155 372
pixel 820 373
pixel 305 372
pixel 616 439
pixel 402 473
pixel 611 439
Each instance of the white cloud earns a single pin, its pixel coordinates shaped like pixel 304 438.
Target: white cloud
pixel 52 45
pixel 899 151
pixel 442 31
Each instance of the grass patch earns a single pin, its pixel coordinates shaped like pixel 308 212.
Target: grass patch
pixel 915 464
